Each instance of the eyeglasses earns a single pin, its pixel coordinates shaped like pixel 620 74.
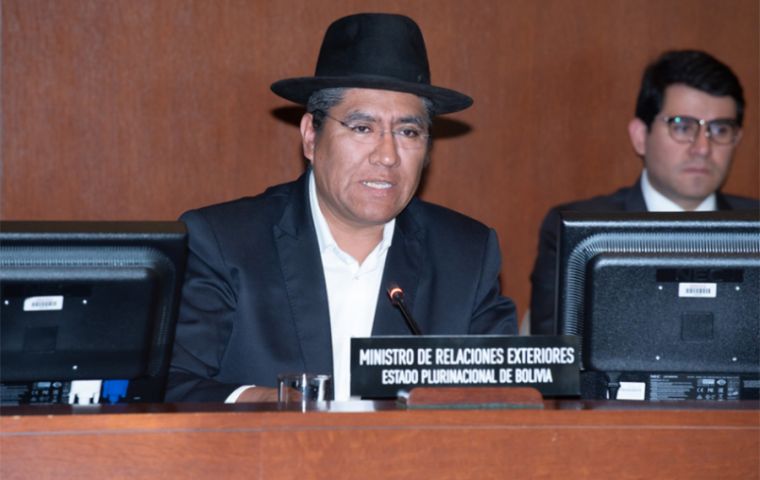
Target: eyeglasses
pixel 722 131
pixel 408 137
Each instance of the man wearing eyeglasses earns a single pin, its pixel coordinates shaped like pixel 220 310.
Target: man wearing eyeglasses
pixel 688 123
pixel 280 282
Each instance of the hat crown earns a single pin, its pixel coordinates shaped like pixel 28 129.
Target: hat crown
pixel 377 51
pixel 374 44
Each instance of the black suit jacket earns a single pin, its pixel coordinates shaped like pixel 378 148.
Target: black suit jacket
pixel 254 302
pixel 628 199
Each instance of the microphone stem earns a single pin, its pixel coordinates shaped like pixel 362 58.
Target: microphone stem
pixel 408 318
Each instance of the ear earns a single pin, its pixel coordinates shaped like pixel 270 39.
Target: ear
pixel 738 138
pixel 308 136
pixel 638 131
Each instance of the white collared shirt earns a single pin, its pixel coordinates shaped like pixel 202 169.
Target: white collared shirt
pixel 657 202
pixel 352 295
pixel 352 292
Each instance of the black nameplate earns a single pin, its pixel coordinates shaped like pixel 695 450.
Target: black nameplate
pixel 382 366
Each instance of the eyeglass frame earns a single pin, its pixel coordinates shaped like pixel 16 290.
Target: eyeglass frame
pixel 424 137
pixel 701 122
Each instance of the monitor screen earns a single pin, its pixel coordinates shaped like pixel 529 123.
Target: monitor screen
pixel 88 310
pixel 667 304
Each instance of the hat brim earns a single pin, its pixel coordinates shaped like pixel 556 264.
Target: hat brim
pixel 299 90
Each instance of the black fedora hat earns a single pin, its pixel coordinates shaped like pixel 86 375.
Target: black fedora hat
pixel 373 50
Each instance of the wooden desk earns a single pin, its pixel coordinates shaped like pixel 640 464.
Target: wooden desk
pixel 366 440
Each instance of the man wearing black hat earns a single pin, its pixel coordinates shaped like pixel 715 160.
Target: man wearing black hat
pixel 280 282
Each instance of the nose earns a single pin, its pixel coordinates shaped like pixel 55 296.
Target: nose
pixel 386 151
pixel 702 144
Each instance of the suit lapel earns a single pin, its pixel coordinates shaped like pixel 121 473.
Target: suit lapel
pixel 301 265
pixel 721 203
pixel 634 200
pixel 403 267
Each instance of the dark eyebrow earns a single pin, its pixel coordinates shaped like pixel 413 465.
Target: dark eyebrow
pixel 359 116
pixel 366 117
pixel 723 120
pixel 415 119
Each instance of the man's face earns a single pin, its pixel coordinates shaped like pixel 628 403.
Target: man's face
pixel 363 185
pixel 685 173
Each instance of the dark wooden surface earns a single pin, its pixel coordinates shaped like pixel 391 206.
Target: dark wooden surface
pixel 141 109
pixel 365 440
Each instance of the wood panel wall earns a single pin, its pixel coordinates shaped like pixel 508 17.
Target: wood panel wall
pixel 142 109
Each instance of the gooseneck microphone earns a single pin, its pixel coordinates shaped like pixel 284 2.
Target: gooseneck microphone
pixel 397 298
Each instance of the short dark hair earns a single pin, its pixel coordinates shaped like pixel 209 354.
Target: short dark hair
pixel 692 68
pixel 320 102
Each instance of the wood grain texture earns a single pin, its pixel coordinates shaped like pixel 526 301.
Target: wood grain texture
pixel 141 109
pixel 386 444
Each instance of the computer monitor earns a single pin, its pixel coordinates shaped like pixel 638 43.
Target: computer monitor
pixel 667 304
pixel 88 310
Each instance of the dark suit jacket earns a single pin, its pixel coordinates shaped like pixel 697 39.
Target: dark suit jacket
pixel 628 199
pixel 254 301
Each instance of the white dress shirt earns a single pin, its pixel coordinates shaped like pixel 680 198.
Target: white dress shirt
pixel 352 295
pixel 657 202
pixel 352 292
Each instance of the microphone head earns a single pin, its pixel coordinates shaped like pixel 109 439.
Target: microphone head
pixel 397 299
pixel 396 294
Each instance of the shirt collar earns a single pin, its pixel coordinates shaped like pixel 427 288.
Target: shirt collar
pixel 657 202
pixel 325 239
